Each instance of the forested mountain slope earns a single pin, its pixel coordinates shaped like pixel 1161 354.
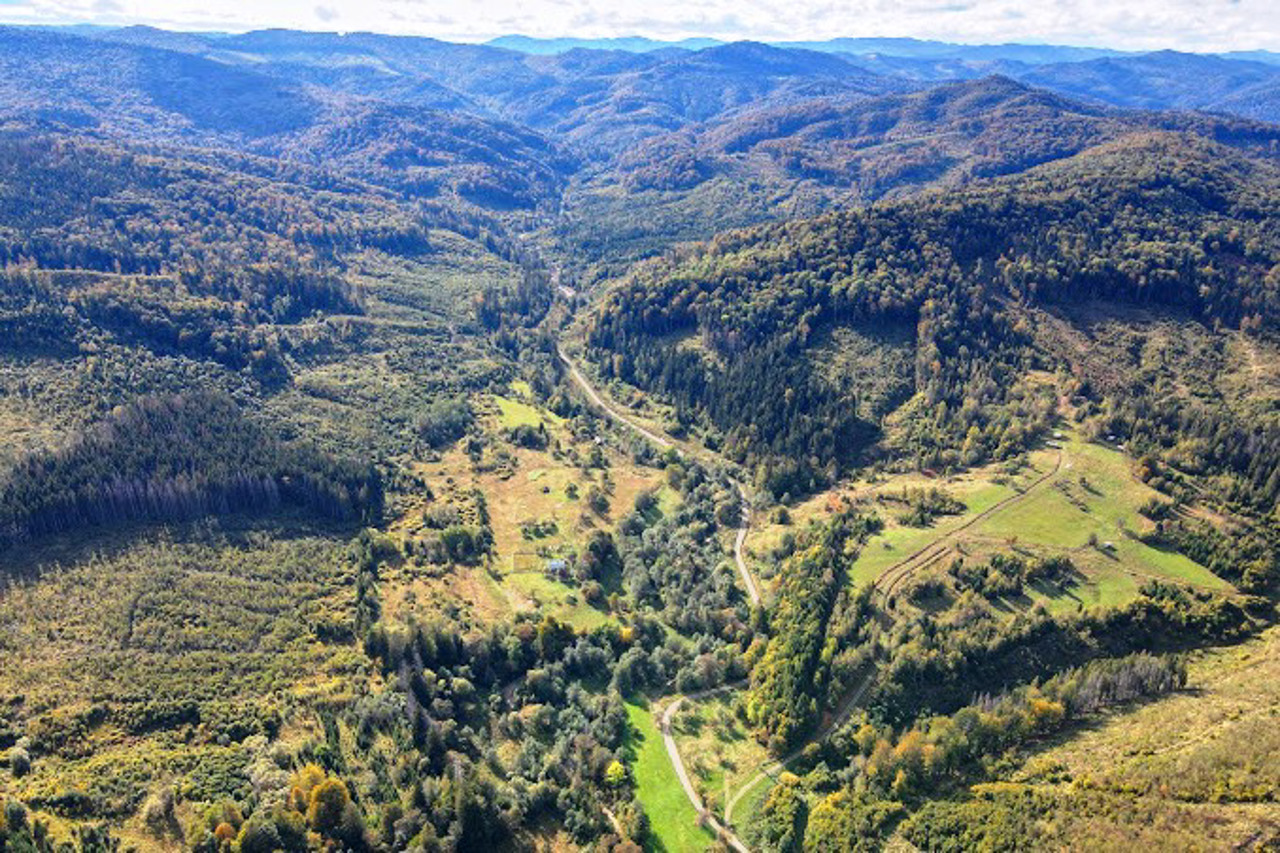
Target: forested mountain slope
pixel 198 290
pixel 777 162
pixel 358 492
pixel 167 97
pixel 1169 80
pixel 563 88
pixel 948 134
pixel 601 100
pixel 1162 221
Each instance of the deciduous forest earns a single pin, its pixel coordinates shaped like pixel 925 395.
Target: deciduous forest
pixel 416 445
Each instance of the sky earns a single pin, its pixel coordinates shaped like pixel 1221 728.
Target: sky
pixel 1193 25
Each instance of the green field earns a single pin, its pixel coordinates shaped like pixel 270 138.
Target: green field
pixel 1093 498
pixel 673 822
pixel 514 413
pixel 897 541
pixel 1087 511
pixel 547 595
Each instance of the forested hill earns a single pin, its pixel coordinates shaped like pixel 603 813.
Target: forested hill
pixel 310 539
pixel 1165 222
pixel 798 159
pixel 865 148
pixel 138 93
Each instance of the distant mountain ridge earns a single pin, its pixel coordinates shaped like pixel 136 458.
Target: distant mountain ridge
pixel 697 136
pixel 632 44
pixel 900 47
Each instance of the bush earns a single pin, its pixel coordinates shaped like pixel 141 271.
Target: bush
pixel 529 437
pixel 19 761
pixel 597 500
pixel 157 812
pixel 444 422
pixel 329 801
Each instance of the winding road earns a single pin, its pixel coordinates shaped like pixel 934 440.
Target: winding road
pixel 594 396
pixel 773 768
pixel 886 586
pixel 753 593
pixel 847 707
pixel 673 752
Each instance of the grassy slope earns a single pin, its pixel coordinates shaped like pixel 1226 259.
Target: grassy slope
pixel 717 746
pixel 1198 770
pixel 1094 493
pixel 673 822
pixel 521 486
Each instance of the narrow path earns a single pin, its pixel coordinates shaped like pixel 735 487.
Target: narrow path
pixel 613 819
pixel 613 413
pixel 723 832
pixel 772 769
pixel 673 752
pixel 738 541
pixel 753 593
pixel 899 572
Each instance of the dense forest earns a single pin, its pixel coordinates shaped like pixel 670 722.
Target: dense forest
pixel 1161 222
pixel 172 458
pixel 384 468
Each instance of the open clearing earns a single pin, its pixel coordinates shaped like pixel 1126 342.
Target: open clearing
pixel 672 820
pixel 1087 510
pixel 718 749
pixel 1196 770
pixel 535 499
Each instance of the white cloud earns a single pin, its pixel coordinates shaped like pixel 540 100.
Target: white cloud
pixel 1204 25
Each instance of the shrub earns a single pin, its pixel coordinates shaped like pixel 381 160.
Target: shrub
pixel 19 761
pixel 597 500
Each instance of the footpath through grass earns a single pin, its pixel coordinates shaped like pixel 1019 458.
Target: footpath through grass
pixel 673 823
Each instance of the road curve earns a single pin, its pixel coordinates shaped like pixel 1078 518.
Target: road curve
pixel 846 708
pixel 892 578
pixel 723 832
pixel 738 541
pixel 740 538
pixel 613 413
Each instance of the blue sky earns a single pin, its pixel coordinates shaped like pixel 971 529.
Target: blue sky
pixel 1199 25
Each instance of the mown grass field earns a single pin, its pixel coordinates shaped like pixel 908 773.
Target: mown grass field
pixel 673 822
pixel 1088 511
pixel 1094 498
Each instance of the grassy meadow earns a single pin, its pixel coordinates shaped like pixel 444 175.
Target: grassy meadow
pixel 719 750
pixel 1195 770
pixel 1088 511
pixel 673 823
